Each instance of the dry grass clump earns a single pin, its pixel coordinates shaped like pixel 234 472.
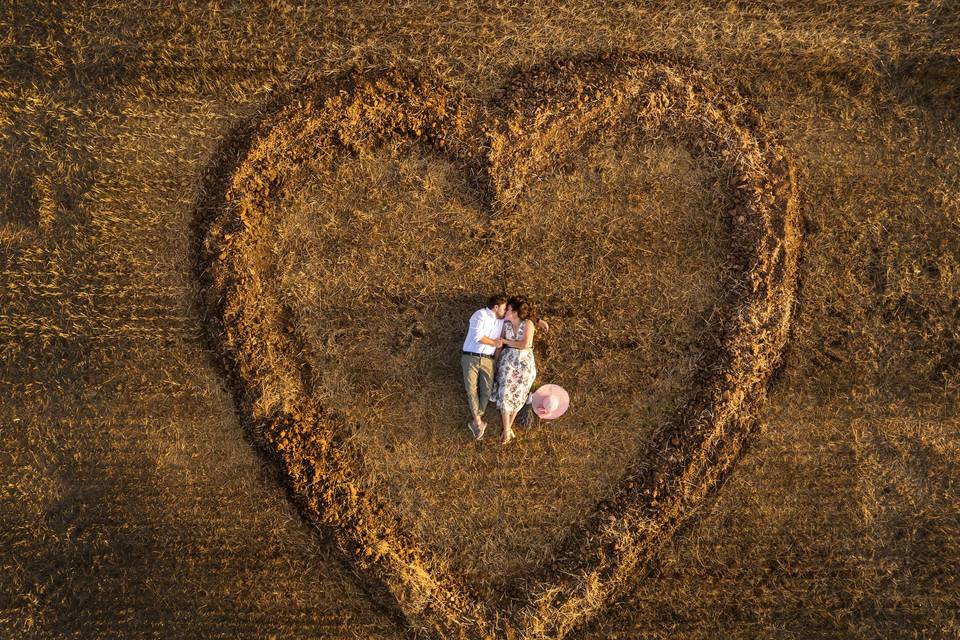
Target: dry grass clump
pixel 299 342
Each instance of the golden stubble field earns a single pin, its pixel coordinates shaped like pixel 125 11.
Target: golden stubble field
pixel 134 504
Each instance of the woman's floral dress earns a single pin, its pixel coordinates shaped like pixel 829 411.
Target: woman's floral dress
pixel 515 374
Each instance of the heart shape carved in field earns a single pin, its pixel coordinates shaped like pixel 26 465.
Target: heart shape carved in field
pixel 540 118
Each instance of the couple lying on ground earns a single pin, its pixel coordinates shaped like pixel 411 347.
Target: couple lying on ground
pixel 500 339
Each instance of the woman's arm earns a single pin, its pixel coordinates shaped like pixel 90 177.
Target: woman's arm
pixel 501 341
pixel 528 331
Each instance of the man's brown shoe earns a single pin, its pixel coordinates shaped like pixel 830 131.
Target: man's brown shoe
pixel 477 432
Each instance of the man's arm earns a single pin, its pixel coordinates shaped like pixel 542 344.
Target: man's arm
pixel 483 328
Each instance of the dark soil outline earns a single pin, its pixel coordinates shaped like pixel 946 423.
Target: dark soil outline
pixel 501 147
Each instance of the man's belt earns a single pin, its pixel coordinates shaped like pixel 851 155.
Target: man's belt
pixel 479 355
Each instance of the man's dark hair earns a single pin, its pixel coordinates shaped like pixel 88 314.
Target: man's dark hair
pixel 498 299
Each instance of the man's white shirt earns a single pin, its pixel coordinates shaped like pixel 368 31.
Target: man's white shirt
pixel 483 322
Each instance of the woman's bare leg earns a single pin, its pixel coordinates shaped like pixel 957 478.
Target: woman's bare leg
pixel 507 432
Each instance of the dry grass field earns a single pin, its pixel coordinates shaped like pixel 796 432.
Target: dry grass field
pixel 136 502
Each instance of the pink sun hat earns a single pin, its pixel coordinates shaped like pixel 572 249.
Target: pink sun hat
pixel 550 401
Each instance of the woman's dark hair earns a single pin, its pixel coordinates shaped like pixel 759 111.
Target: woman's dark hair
pixel 496 300
pixel 523 307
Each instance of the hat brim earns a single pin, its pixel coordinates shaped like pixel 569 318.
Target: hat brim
pixel 555 391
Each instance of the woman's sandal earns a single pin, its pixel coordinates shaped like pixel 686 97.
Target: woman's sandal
pixel 510 439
